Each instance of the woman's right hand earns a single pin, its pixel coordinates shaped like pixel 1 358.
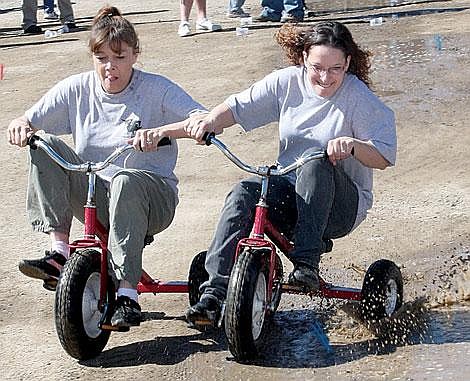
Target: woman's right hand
pixel 216 121
pixel 197 126
pixel 19 131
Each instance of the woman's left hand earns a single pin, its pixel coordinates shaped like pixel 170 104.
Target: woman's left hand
pixel 340 148
pixel 146 140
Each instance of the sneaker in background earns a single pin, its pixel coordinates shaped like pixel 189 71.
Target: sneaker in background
pixel 70 27
pixel 287 17
pixel 207 25
pixel 184 29
pixel 33 29
pixel 239 13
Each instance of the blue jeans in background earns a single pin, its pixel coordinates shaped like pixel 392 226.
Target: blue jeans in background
pixel 274 9
pixel 235 5
pixel 49 6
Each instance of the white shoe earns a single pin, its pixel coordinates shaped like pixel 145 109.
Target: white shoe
pixel 184 29
pixel 206 24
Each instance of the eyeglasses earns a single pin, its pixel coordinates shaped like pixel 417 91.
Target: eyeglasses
pixel 335 70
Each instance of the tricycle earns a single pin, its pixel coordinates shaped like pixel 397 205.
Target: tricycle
pixel 85 294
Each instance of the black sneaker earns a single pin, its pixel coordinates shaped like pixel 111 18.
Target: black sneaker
pixel 264 18
pixel 287 17
pixel 127 313
pixel 71 27
pixel 306 277
pixel 46 268
pixel 205 312
pixel 33 29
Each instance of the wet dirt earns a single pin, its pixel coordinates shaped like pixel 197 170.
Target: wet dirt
pixel 420 220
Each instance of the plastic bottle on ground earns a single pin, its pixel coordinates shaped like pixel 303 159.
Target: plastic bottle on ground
pixel 50 34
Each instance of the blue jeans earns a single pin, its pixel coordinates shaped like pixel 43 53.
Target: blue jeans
pixel 322 205
pixel 275 8
pixel 235 5
pixel 49 6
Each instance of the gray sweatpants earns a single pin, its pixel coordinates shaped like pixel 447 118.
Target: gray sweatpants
pixel 138 204
pixel 30 10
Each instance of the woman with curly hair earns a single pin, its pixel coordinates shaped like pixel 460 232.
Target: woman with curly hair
pixel 321 101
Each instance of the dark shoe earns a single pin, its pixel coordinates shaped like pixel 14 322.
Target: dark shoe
pixel 239 13
pixel 305 276
pixel 46 268
pixel 33 29
pixel 127 313
pixel 70 27
pixel 287 17
pixel 205 312
pixel 263 18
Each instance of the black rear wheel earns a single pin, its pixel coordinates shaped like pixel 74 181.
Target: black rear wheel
pixel 382 291
pixel 77 316
pixel 197 276
pixel 246 307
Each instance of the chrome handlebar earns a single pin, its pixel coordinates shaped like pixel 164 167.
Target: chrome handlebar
pixel 262 170
pixel 36 142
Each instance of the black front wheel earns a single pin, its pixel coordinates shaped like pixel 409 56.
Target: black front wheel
pixel 77 315
pixel 382 291
pixel 246 309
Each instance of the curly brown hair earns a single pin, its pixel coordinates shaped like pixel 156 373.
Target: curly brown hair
pixel 110 27
pixel 295 40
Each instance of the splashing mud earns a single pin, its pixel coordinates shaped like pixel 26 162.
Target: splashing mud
pixel 323 333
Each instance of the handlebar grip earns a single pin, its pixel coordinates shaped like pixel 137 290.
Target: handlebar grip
pixel 33 138
pixel 207 137
pixel 165 141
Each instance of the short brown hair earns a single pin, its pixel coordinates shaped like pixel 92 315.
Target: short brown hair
pixel 110 27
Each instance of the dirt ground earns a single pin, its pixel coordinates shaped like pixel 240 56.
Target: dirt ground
pixel 420 220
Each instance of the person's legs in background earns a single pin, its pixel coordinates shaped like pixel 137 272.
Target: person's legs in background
pixel 293 11
pixel 202 22
pixel 272 10
pixel 49 12
pixel 235 9
pixel 30 21
pixel 66 15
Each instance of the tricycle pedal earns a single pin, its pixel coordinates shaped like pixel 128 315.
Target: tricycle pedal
pixel 294 289
pixel 109 327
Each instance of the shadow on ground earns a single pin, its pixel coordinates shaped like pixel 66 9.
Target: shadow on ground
pixel 294 340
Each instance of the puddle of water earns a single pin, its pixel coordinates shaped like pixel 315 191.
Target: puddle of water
pixel 395 53
pixel 295 336
pixel 328 6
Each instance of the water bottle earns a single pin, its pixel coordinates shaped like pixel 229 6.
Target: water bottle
pixel 242 31
pixel 438 42
pixel 376 21
pixel 245 21
pixel 50 34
